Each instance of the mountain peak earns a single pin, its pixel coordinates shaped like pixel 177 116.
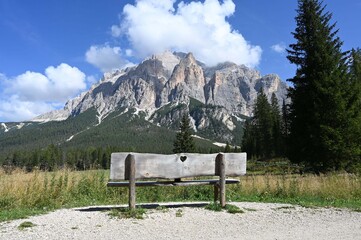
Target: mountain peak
pixel 172 78
pixel 190 57
pixel 168 59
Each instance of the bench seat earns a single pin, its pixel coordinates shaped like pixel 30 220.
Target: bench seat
pixel 134 169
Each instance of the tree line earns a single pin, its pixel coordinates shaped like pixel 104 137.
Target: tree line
pixel 53 157
pixel 321 126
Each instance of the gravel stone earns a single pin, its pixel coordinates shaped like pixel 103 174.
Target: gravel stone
pixel 260 221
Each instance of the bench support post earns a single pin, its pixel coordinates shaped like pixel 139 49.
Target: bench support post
pixel 130 171
pixel 221 172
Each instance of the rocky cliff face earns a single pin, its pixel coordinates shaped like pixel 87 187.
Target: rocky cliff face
pixel 167 85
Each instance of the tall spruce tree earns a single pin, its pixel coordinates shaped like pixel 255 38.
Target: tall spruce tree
pixel 285 127
pixel 184 142
pixel 355 109
pixel 277 139
pixel 249 142
pixel 264 122
pixel 320 120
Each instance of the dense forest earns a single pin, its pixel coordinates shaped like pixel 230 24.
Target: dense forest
pixel 54 157
pixel 265 132
pixel 320 128
pixel 88 147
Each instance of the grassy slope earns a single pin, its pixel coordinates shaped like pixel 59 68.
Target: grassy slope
pixel 39 135
pixel 127 131
pixel 131 133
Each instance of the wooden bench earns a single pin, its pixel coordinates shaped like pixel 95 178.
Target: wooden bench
pixel 171 168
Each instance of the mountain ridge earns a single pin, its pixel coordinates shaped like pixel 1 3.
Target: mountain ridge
pixel 168 78
pixel 155 93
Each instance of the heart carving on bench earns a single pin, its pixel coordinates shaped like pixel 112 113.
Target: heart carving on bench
pixel 183 158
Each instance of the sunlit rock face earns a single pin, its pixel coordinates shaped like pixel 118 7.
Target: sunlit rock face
pixel 227 91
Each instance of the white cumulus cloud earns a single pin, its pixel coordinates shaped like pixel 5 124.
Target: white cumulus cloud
pixel 153 26
pixel 279 48
pixel 57 84
pixel 31 93
pixel 14 109
pixel 106 58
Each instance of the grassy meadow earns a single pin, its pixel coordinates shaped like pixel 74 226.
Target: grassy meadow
pixel 23 194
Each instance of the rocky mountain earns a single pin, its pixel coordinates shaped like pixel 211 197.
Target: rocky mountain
pixel 164 87
pixel 173 79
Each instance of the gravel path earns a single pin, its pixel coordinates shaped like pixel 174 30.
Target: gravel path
pixel 260 221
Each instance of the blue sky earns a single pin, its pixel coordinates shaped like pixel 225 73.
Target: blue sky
pixel 52 50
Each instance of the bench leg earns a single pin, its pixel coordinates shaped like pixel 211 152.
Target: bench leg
pixel 131 164
pixel 131 195
pixel 221 167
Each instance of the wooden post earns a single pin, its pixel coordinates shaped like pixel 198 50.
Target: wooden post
pixel 130 174
pixel 221 172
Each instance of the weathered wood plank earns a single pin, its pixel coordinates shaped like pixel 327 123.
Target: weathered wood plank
pixel 181 165
pixel 173 183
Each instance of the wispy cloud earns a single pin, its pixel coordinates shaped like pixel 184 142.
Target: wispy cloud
pixel 106 58
pixel 279 47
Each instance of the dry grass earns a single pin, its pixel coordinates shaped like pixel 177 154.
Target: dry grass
pixel 49 189
pixel 330 187
pixel 66 188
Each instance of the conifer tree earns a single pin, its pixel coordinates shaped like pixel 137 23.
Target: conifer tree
pixel 249 142
pixel 276 127
pixel 354 163
pixel 184 141
pixel 319 97
pixel 285 127
pixel 355 66
pixel 263 122
pixel 227 148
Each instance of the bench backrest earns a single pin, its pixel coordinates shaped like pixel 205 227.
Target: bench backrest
pixel 180 165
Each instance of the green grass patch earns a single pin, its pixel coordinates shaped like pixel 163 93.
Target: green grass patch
pixel 229 208
pixel 214 207
pixel 179 213
pixel 233 209
pixel 20 213
pixel 24 225
pixel 137 213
